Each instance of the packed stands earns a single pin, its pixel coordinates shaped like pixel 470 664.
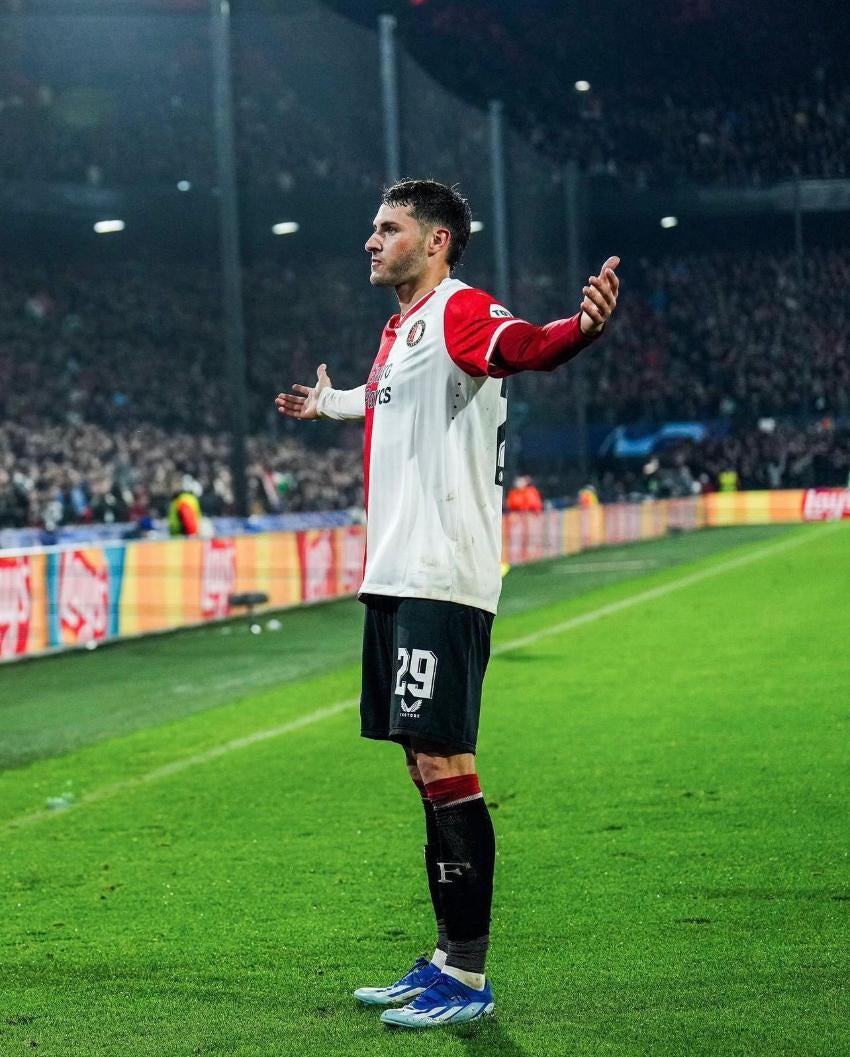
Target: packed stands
pixel 88 389
pixel 698 336
pixel 104 122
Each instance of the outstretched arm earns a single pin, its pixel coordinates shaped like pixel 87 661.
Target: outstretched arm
pixel 322 401
pixel 524 347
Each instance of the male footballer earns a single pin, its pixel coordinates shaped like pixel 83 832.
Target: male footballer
pixel 435 410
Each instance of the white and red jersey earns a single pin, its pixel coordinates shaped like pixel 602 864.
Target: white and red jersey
pixel 434 450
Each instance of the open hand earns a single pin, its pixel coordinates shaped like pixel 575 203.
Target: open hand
pixel 600 298
pixel 303 401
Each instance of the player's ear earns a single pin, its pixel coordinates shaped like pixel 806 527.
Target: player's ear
pixel 439 239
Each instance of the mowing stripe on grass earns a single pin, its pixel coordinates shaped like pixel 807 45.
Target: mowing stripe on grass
pixel 664 589
pixel 634 564
pixel 329 711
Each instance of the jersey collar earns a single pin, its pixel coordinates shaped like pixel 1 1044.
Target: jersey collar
pixel 397 320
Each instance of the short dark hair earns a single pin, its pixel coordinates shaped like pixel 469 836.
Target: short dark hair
pixel 431 202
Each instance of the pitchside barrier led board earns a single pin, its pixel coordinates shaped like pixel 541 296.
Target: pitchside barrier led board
pixel 71 596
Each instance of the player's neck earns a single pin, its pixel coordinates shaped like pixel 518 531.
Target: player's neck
pixel 411 292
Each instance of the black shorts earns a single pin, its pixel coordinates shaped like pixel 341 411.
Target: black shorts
pixel 423 668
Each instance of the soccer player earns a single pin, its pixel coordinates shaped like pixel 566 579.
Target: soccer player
pixel 435 411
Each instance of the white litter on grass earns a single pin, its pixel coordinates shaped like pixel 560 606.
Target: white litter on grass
pixel 255 629
pixel 273 625
pixel 59 803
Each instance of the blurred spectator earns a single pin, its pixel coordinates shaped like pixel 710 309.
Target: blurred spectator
pixel 184 510
pixel 524 496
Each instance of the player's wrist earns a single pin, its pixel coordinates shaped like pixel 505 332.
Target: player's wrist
pixel 321 400
pixel 591 330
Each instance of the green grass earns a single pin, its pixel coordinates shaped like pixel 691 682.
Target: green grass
pixel 668 784
pixel 51 706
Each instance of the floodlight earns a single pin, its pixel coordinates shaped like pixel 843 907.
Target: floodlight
pixel 286 227
pixel 476 225
pixel 582 86
pixel 106 227
pixel 669 222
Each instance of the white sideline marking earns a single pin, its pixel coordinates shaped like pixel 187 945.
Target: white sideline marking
pixel 329 711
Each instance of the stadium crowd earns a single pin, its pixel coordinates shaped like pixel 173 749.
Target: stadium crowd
pixel 728 335
pixel 723 143
pixel 748 144
pixel 698 336
pixel 106 123
pixel 58 475
pixel 112 375
pixel 101 425
pixel 771 456
pixel 55 475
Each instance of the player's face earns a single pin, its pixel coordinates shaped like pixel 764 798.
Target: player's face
pixel 397 247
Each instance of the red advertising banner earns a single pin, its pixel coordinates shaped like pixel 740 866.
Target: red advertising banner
pixel 552 533
pixel 350 551
pixel 622 522
pixel 80 595
pixel 318 564
pixel 218 577
pixel 515 538
pixel 83 596
pixel 826 504
pixel 15 606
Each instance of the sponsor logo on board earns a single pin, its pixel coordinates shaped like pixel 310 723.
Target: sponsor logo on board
pixel 826 504
pixel 15 606
pixel 83 596
pixel 218 578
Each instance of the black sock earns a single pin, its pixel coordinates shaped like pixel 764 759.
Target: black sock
pixel 465 869
pixel 432 857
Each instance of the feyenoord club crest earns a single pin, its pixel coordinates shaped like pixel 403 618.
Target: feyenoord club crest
pixel 414 335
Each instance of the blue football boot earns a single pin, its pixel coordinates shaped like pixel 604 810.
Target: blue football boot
pixel 420 977
pixel 446 1001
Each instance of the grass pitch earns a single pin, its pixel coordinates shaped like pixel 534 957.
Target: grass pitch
pixel 664 746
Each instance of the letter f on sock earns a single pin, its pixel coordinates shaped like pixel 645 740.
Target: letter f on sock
pixel 447 868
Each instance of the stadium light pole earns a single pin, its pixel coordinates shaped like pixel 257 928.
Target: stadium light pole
pixel 502 277
pixel 389 95
pixel 798 275
pixel 230 251
pixel 575 281
pixel 498 185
